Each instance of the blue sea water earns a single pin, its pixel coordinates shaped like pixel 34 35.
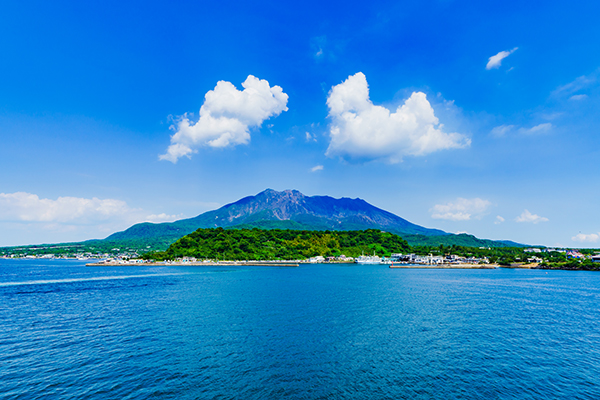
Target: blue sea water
pixel 314 332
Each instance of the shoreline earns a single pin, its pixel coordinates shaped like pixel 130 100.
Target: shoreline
pixel 444 266
pixel 294 264
pixel 200 264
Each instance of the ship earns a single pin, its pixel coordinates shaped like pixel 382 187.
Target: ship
pixel 368 259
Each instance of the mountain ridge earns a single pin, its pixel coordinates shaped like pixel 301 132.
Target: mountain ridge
pixel 290 209
pixel 307 212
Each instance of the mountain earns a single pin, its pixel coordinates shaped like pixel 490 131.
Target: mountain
pixel 249 244
pixel 270 209
pixel 290 209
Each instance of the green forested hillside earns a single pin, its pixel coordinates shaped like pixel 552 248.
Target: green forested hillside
pixel 276 244
pixel 461 239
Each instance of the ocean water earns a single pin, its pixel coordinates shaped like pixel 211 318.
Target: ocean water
pixel 315 332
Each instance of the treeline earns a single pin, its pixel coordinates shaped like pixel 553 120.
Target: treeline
pixel 500 255
pixel 574 264
pixel 89 247
pixel 278 244
pixel 460 240
pixel 287 244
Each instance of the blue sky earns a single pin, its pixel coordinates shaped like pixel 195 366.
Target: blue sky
pixel 478 117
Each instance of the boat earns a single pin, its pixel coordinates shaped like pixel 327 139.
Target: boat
pixel 368 259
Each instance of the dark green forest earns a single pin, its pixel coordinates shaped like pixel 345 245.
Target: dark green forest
pixel 286 244
pixel 277 244
pixel 289 244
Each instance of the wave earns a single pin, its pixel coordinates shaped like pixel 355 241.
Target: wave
pixel 95 278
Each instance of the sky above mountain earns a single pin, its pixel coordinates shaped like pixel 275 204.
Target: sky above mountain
pixel 466 116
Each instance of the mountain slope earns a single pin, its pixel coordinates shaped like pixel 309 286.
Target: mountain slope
pixel 289 209
pixel 275 244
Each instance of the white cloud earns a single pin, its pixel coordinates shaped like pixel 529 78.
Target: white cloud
pixel 577 97
pixel 580 83
pixel 310 138
pixel 25 218
pixel 316 168
pixel 502 130
pixel 551 116
pixel 21 206
pixel 582 237
pixel 226 117
pixel 526 216
pixel 318 45
pixel 541 128
pixel 361 130
pixel 162 217
pixel 499 220
pixel 496 61
pixel 461 209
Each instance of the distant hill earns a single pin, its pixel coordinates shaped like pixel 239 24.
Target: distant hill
pixel 290 209
pixel 461 239
pixel 270 209
pixel 277 244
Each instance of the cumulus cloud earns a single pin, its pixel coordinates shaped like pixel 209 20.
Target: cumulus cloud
pixel 316 168
pixel 21 206
pixel 527 216
pixel 461 209
pixel 28 207
pixel 496 61
pixel 361 130
pixel 498 220
pixel 25 218
pixel 582 237
pixel 226 117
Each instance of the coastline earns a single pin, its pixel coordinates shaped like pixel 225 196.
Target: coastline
pixel 287 264
pixel 445 266
pixel 299 263
pixel 201 264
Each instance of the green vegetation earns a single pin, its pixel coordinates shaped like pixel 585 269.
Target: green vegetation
pixel 502 255
pixel 277 244
pixel 138 243
pixel 572 264
pixel 91 248
pixel 462 239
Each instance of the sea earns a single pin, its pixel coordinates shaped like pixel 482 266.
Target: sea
pixel 318 331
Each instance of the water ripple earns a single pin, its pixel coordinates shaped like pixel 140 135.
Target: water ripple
pixel 314 332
